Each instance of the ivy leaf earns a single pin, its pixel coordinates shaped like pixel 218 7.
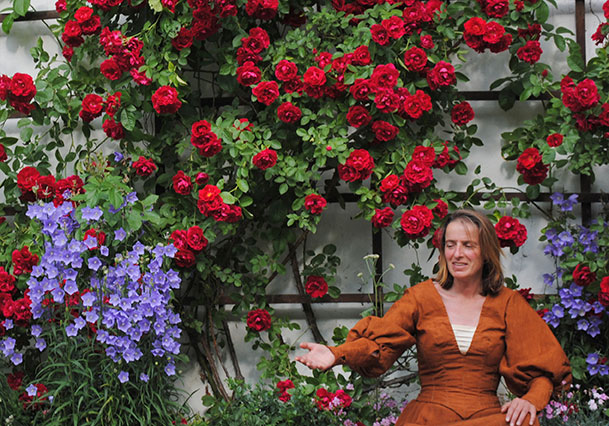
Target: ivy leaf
pixel 575 60
pixel 21 7
pixel 532 192
pixel 543 11
pixel 7 23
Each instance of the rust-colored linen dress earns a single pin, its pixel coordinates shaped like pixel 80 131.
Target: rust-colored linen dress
pixel 511 340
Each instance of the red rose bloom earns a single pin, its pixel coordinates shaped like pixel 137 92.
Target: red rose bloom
pixel 531 167
pixel 323 398
pixel 394 27
pixel 72 34
pixel 530 52
pixel 361 89
pixel 314 76
pixel 289 113
pixel 144 166
pixel 441 75
pixel 379 34
pixel 583 276
pixel 415 59
pixel 183 39
pixel 358 116
pixel 384 76
pixel 417 176
pixel 195 238
pixel 494 33
pixel 462 113
pixel 184 258
pixel 587 93
pixel 496 8
pixel 316 286
pixel 22 311
pixel 343 397
pixel 15 380
pixel 201 178
pixel 510 232
pixel 46 187
pixel 415 105
pixel 258 320
pixel 22 88
pixel 257 41
pixel 361 56
pixel 200 133
pixel 359 166
pixel 315 203
pixel 427 42
pixel 182 184
pixel 387 100
pixel 165 100
pixel 436 239
pixel 286 70
pixel 475 26
pixel 384 131
pixel 440 210
pixel 382 217
pixel 425 154
pixel 7 281
pixel 603 294
pixel 248 74
pixel 92 107
pixel 113 103
pixel 265 159
pixel 23 261
pixel 262 9
pixel 178 238
pixel 113 129
pixel 554 140
pixel 6 305
pixel 283 387
pixel 266 92
pixel 210 146
pixel 27 178
pixel 209 193
pixel 5 86
pixel 389 183
pixel 416 222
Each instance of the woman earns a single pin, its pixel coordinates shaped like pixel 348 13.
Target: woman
pixel 469 330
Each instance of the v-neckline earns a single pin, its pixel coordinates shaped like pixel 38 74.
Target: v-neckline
pixel 450 324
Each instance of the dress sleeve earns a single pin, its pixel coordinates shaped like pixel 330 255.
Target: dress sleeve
pixel 374 343
pixel 534 365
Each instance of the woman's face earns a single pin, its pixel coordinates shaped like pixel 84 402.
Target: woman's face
pixel 462 251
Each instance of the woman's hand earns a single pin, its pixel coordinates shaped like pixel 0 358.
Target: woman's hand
pixel 318 357
pixel 517 409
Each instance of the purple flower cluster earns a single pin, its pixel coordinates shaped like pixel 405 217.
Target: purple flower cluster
pixel 125 298
pixel 595 366
pixel 564 204
pixel 571 303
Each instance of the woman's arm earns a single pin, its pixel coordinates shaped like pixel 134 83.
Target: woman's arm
pixel 319 357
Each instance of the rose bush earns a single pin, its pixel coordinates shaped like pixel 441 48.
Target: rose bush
pixel 245 118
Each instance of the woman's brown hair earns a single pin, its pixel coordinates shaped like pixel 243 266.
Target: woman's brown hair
pixel 492 272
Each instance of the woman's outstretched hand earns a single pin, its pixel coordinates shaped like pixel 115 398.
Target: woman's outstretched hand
pixel 517 409
pixel 318 357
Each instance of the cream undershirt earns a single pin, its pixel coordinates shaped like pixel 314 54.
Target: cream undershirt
pixel 463 335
